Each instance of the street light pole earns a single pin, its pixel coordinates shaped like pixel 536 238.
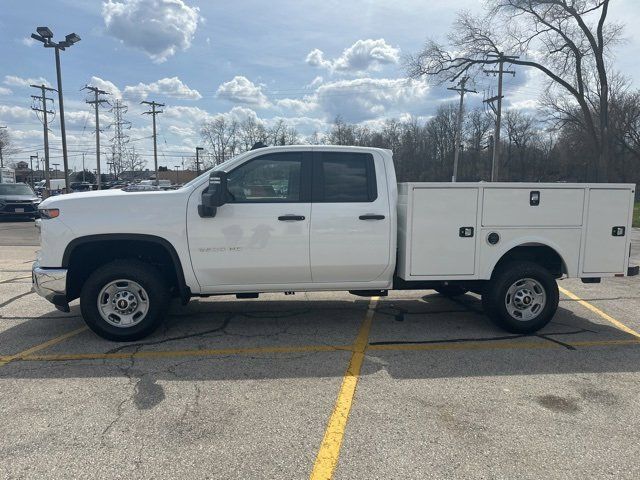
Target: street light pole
pixel 45 35
pixel 63 131
pixel 177 178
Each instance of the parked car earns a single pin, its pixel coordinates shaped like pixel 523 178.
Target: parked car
pixel 18 200
pixel 337 221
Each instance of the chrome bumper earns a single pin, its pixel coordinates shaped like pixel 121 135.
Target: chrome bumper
pixel 51 283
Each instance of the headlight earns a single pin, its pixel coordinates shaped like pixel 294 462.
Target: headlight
pixel 49 212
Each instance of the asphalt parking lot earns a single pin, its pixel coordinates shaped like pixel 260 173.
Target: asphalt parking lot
pixel 413 385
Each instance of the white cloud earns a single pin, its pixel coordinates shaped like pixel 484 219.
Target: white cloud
pixel 28 41
pixel 14 81
pixel 182 131
pixel 243 91
pixel 157 27
pixel 301 106
pixel 5 91
pixel 169 87
pixel 105 85
pixel 13 114
pixel 361 99
pixel 362 56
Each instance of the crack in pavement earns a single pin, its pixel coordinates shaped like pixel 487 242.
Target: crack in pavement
pixel 17 297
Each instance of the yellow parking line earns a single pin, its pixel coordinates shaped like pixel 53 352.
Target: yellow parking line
pixel 327 457
pixel 184 353
pixel 42 346
pixel 502 345
pixel 597 311
pixel 444 346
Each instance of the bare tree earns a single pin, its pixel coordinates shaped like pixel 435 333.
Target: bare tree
pixel 521 131
pixel 566 40
pixel 221 137
pixel 132 162
pixel 5 146
pixel 251 131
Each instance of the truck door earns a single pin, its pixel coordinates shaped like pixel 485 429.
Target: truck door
pixel 261 236
pixel 350 220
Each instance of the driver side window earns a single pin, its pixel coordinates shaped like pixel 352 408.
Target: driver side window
pixel 271 178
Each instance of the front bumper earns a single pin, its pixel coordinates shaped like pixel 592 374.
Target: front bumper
pixel 51 283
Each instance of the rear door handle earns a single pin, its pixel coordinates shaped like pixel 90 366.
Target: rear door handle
pixel 291 218
pixel 370 216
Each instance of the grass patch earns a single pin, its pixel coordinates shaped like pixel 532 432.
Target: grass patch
pixel 636 215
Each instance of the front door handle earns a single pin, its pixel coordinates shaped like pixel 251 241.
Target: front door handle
pixel 370 216
pixel 291 218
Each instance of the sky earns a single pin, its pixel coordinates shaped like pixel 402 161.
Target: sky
pixel 301 61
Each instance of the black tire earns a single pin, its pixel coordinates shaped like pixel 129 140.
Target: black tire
pixel 143 274
pixel 451 290
pixel 496 295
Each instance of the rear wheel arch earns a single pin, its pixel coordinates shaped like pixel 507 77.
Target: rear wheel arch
pixel 84 254
pixel 538 253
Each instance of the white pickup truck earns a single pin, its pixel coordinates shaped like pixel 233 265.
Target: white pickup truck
pixel 317 218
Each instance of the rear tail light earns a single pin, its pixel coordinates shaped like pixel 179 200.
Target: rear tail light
pixel 49 212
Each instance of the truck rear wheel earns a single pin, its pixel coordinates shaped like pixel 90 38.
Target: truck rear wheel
pixel 124 300
pixel 522 297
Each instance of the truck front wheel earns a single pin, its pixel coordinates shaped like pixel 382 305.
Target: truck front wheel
pixel 124 300
pixel 521 297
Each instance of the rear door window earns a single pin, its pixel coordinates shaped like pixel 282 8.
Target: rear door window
pixel 344 177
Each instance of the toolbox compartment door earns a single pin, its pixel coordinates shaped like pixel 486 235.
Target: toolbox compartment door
pixel 532 207
pixel 606 252
pixel 438 247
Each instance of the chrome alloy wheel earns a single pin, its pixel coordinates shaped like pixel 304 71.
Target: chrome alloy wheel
pixel 123 303
pixel 525 299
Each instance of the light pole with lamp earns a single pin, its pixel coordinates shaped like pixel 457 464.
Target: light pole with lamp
pixel 45 35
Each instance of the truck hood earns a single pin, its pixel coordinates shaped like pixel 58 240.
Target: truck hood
pixel 104 197
pixel 20 198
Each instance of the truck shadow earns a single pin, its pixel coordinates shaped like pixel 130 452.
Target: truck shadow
pixel 453 337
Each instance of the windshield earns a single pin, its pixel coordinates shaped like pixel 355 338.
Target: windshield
pixel 15 189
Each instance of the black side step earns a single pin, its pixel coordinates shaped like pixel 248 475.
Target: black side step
pixel 369 293
pixel 247 295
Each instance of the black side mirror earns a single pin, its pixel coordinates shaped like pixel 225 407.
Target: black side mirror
pixel 214 195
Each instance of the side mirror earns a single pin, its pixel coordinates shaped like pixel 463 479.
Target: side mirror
pixel 214 195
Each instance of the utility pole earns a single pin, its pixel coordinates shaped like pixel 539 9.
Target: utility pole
pixel 154 105
pixel 198 149
pixel 31 157
pixel 501 59
pixel 460 88
pixel 42 108
pixel 177 178
pixel 83 176
pixel 1 152
pixel 96 102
